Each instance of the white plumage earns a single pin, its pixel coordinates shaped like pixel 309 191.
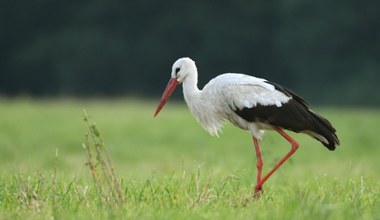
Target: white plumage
pixel 223 94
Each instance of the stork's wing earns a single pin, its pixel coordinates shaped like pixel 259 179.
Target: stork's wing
pixel 257 100
pixel 243 91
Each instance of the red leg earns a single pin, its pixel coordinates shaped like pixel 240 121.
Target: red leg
pixel 294 144
pixel 259 163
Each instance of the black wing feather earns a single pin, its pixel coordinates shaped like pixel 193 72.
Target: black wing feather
pixel 294 115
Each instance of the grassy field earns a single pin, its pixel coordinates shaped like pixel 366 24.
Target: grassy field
pixel 169 168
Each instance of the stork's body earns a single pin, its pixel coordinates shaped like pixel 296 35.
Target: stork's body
pixel 250 103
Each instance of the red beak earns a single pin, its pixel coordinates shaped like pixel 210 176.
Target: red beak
pixel 172 84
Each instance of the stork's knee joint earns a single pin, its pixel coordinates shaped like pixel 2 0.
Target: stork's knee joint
pixel 295 146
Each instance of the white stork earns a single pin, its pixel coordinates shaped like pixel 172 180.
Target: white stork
pixel 250 103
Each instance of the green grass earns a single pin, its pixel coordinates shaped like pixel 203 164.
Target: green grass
pixel 170 168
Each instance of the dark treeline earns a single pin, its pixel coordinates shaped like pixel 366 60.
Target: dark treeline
pixel 329 51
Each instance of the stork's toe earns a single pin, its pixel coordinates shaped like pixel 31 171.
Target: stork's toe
pixel 258 191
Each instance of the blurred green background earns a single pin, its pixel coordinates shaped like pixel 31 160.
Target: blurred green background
pixel 328 51
pixel 113 58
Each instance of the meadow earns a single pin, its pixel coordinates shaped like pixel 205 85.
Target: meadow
pixel 170 168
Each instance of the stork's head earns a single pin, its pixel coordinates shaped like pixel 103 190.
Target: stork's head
pixel 182 68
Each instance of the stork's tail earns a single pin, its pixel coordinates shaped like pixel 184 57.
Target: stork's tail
pixel 323 131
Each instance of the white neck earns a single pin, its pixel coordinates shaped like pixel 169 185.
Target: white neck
pixel 190 89
pixel 192 95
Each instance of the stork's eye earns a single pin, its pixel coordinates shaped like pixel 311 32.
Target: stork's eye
pixel 177 70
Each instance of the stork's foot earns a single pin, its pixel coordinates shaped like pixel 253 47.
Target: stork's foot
pixel 258 191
